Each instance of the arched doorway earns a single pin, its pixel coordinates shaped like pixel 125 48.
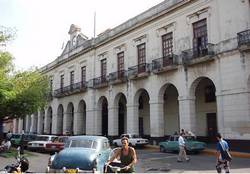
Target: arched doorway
pixel 121 103
pixel 142 100
pixel 70 119
pixel 169 95
pixel 59 121
pixel 49 120
pixel 81 123
pixel 103 105
pixel 205 108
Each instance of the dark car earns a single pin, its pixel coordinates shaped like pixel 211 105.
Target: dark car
pixel 81 154
pixel 16 139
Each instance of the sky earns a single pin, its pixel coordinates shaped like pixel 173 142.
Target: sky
pixel 42 25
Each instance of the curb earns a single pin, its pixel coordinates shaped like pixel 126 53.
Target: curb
pixel 206 151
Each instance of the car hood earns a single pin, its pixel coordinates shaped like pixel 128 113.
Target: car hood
pixel 73 158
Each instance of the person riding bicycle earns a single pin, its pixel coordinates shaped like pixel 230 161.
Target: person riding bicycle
pixel 127 155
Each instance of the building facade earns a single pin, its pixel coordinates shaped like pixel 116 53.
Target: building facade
pixel 182 64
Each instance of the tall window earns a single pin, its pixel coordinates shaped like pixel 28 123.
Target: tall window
pixel 83 74
pixel 62 81
pixel 167 44
pixel 200 38
pixel 141 50
pixel 103 70
pixel 51 84
pixel 120 64
pixel 72 78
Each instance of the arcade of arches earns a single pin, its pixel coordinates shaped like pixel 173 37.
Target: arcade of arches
pixel 141 115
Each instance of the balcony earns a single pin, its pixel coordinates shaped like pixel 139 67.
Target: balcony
pixel 200 55
pixel 99 82
pixel 71 89
pixel 117 77
pixel 139 71
pixel 244 40
pixel 165 64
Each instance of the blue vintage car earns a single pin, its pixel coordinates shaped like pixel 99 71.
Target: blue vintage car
pixel 81 154
pixel 192 145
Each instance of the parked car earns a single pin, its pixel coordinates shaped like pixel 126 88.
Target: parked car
pixel 57 144
pixel 16 139
pixel 133 140
pixel 40 142
pixel 192 145
pixel 81 154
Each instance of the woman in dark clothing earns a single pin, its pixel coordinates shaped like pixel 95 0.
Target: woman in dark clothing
pixel 127 155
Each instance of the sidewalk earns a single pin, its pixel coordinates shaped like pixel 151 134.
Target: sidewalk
pixel 207 151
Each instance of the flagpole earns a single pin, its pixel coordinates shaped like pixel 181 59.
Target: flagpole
pixel 94 23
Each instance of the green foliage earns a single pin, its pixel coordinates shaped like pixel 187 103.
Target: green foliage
pixel 21 93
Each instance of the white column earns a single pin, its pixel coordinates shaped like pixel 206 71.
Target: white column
pixel 132 119
pixel 78 120
pixel 20 125
pixel 187 113
pixel 15 125
pixel 46 123
pixel 39 122
pixel 156 119
pixel 54 126
pixel 91 121
pixel 113 121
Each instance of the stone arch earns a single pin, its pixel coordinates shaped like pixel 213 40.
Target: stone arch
pixel 120 102
pixel 59 120
pixel 49 120
pixel 103 115
pixel 81 118
pixel 142 99
pixel 168 95
pixel 204 91
pixel 70 119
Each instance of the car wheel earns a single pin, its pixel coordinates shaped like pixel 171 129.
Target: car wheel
pixel 130 144
pixel 116 145
pixel 162 149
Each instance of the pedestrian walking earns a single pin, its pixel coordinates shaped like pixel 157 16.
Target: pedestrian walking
pixel 182 151
pixel 223 157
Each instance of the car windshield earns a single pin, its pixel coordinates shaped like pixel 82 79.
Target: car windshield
pixel 135 136
pixel 81 143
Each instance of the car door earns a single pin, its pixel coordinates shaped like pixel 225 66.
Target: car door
pixel 103 155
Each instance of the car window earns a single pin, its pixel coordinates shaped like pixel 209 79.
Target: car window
pixel 189 138
pixel 15 136
pixel 171 139
pixel 106 145
pixel 81 143
pixel 135 136
pixel 42 138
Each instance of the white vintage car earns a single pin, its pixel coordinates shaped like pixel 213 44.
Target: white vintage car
pixel 133 140
pixel 40 142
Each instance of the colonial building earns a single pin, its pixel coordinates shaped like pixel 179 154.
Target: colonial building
pixel 182 64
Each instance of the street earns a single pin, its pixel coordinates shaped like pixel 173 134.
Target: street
pixel 152 161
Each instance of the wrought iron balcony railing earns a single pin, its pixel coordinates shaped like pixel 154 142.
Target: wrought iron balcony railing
pixel 138 69
pixel 71 89
pixel 244 38
pixel 163 62
pixel 101 81
pixel 197 53
pixel 120 76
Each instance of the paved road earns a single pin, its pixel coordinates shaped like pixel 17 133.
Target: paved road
pixel 152 161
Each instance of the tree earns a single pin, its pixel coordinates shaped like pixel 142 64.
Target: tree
pixel 21 93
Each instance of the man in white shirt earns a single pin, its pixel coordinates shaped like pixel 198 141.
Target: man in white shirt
pixel 182 151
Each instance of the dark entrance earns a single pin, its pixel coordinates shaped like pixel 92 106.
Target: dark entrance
pixel 141 126
pixel 211 126
pixel 121 118
pixel 104 118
